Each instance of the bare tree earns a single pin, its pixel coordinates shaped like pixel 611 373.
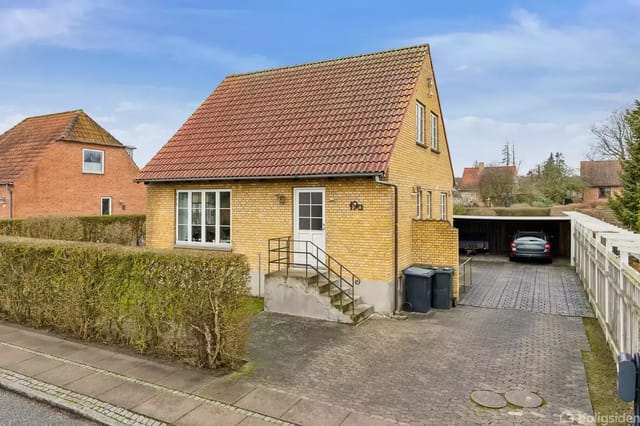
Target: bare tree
pixel 612 138
pixel 497 185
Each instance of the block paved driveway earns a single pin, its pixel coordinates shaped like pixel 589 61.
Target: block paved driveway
pixel 530 287
pixel 423 370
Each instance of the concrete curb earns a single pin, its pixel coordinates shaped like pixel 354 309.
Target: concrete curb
pixel 73 402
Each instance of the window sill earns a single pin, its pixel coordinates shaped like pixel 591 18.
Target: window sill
pixel 422 145
pixel 92 173
pixel 196 246
pixel 435 151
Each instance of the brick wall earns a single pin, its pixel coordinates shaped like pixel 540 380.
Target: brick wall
pixel 360 239
pixel 436 242
pixel 593 194
pixel 57 186
pixel 415 165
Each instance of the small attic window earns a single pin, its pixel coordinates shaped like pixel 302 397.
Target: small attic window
pixel 93 161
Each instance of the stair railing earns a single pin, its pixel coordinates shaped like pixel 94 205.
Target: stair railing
pixel 282 254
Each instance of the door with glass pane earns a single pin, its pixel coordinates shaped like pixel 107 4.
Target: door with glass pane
pixel 309 224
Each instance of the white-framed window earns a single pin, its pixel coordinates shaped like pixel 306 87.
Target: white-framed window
pixel 443 206
pixel 203 217
pixel 419 123
pixel 419 205
pixel 105 206
pixel 434 132
pixel 428 204
pixel 93 161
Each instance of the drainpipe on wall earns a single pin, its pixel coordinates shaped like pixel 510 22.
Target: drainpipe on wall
pixel 395 240
pixel 10 192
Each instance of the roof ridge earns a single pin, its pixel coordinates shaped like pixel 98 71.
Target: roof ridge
pixel 53 113
pixel 71 124
pixel 342 58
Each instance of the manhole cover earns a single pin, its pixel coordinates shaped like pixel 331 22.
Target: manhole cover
pixel 524 399
pixel 488 399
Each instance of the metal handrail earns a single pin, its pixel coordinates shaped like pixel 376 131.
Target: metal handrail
pixel 323 268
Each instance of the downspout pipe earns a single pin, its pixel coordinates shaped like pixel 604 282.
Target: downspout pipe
pixel 10 192
pixel 395 240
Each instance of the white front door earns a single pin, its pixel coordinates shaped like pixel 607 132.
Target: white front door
pixel 308 225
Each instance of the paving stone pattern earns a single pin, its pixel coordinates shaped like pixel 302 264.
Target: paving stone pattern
pixel 423 370
pixel 529 287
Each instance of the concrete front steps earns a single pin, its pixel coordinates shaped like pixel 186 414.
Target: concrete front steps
pixel 307 294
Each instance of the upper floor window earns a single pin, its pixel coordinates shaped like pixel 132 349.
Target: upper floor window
pixel 443 206
pixel 92 161
pixel 419 123
pixel 204 217
pixel 434 132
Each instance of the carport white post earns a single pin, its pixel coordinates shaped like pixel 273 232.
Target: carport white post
pixel 613 287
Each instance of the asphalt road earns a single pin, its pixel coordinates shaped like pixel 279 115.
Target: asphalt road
pixel 17 410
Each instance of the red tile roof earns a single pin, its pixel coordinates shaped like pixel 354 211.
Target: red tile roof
pixel 22 146
pixel 601 173
pixel 471 176
pixel 325 118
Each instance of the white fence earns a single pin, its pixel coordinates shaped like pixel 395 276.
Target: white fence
pixel 601 254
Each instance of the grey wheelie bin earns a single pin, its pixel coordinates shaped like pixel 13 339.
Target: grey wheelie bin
pixel 442 288
pixel 418 283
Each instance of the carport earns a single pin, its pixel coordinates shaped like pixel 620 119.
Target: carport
pixel 496 231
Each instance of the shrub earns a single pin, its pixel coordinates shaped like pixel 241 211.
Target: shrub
pixel 190 306
pixel 123 229
pixel 460 209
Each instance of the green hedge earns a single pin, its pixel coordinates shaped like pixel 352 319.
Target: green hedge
pixel 122 229
pixel 508 211
pixel 190 306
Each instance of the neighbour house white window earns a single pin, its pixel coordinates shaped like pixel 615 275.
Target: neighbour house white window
pixel 419 123
pixel 434 132
pixel 419 204
pixel 428 204
pixel 443 206
pixel 93 161
pixel 105 206
pixel 203 217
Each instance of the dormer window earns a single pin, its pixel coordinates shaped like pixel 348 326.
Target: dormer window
pixel 93 161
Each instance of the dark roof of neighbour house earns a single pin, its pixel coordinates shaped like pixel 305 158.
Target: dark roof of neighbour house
pixel 471 176
pixel 601 173
pixel 22 146
pixel 335 117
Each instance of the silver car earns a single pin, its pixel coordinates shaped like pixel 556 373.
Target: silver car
pixel 530 245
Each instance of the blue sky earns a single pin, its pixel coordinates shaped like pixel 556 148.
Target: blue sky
pixel 537 74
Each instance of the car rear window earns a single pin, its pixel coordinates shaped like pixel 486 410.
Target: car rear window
pixel 530 234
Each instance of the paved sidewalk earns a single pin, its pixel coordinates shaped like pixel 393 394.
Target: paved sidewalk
pixel 129 389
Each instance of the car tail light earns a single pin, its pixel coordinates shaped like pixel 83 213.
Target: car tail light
pixel 513 245
pixel 547 247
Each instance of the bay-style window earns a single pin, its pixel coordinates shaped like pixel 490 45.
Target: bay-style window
pixel 203 217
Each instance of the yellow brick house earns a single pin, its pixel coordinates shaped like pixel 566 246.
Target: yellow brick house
pixel 337 170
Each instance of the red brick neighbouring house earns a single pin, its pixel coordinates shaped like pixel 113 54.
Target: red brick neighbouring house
pixel 601 179
pixel 469 186
pixel 66 164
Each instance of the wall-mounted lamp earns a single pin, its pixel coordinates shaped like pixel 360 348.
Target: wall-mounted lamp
pixel 429 82
pixel 280 198
pixel 122 204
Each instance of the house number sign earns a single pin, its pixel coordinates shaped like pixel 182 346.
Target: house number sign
pixel 354 205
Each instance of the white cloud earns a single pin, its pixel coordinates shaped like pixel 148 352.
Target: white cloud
pixel 82 25
pixel 484 138
pixel 539 84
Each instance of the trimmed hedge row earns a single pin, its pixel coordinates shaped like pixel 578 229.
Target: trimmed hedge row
pixel 123 229
pixel 189 306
